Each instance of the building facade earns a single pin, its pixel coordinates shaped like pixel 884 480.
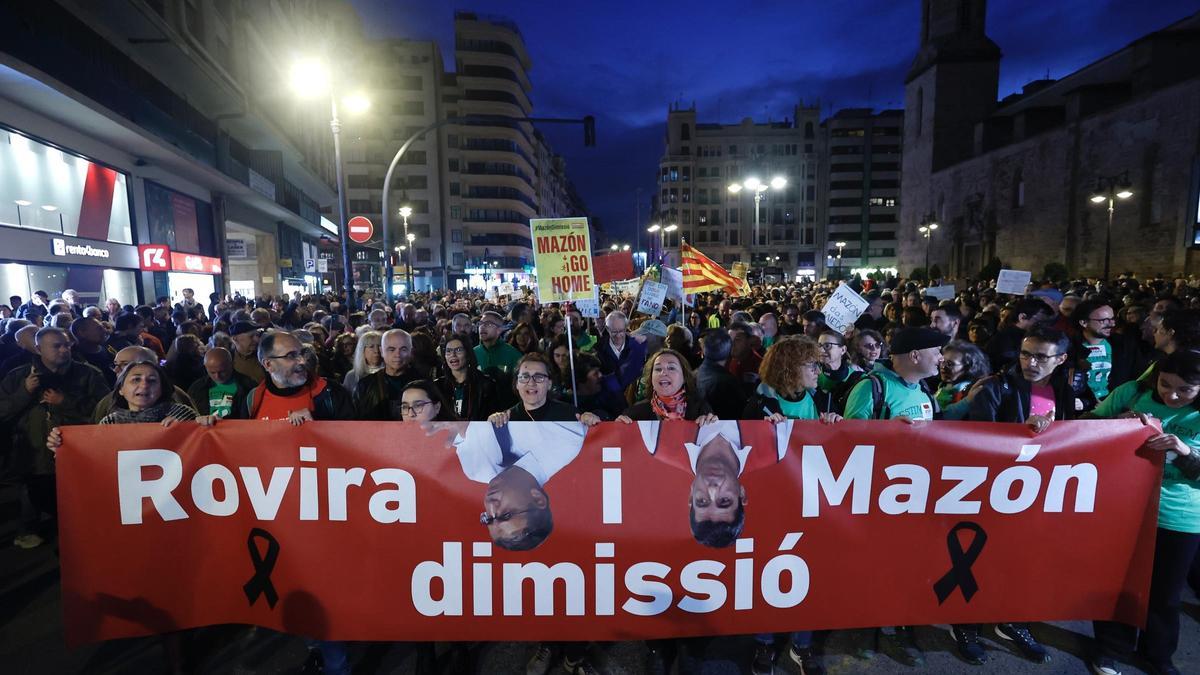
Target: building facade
pixel 861 173
pixel 176 137
pixel 1013 180
pixel 702 160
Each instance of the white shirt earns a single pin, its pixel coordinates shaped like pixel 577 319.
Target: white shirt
pixel 728 429
pixel 617 350
pixel 543 448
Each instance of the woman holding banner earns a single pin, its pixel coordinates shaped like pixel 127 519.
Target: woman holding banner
pixel 1168 393
pixel 790 372
pixel 673 392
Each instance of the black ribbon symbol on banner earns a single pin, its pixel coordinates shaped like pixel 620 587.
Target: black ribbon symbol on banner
pixel 961 561
pixel 264 564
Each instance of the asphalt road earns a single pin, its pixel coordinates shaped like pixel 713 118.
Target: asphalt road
pixel 31 641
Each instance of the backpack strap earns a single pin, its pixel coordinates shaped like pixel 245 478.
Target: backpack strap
pixel 879 408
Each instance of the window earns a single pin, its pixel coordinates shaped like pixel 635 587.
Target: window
pixel 452 140
pixel 687 195
pixel 455 189
pixel 1018 190
pixel 458 259
pixel 360 206
pixel 424 255
pixel 716 172
pixel 419 205
pixel 456 212
pixel 414 183
pixel 701 172
pixel 674 172
pixel 665 175
pixel 687 217
pixel 358 182
pixel 733 237
pixel 685 132
pixel 413 108
pixel 452 165
pixel 456 236
pixel 687 173
pixel 674 195
pixel 920 110
pixel 702 196
pixel 411 82
pixel 733 216
pixel 733 149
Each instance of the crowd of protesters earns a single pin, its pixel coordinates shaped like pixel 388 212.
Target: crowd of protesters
pixel 1065 350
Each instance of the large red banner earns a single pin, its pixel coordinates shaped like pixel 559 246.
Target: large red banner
pixel 374 531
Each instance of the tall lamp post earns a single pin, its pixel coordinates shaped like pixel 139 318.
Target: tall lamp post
pixel 405 212
pixel 840 245
pixel 926 231
pixel 311 78
pixel 758 188
pixel 1110 189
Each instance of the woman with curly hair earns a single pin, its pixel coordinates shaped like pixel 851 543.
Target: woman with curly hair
pixel 790 373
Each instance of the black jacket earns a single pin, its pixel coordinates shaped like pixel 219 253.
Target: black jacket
pixel 641 411
pixel 1004 347
pixel 1130 357
pixel 551 411
pixel 480 398
pixel 199 394
pixel 1004 397
pixel 721 391
pixel 373 395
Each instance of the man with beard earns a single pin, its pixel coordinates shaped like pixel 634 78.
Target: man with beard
pixel 1112 358
pixel 89 347
pixel 290 391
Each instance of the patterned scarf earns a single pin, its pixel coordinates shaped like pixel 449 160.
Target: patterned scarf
pixel 155 413
pixel 672 407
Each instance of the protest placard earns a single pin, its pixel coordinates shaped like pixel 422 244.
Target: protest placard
pixel 651 299
pixel 563 255
pixel 940 292
pixel 1013 281
pixel 843 308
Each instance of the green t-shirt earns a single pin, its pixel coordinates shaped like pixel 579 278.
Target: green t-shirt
pixel 803 409
pixel 899 398
pixel 1179 500
pixel 220 399
pixel 1099 366
pixel 502 356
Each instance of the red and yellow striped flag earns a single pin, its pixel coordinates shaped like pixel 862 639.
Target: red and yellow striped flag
pixel 701 274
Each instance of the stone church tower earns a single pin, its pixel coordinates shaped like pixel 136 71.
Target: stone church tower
pixel 951 86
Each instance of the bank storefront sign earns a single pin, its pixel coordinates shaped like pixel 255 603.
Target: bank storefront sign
pixel 45 247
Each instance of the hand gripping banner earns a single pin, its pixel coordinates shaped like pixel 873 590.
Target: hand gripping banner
pixel 548 531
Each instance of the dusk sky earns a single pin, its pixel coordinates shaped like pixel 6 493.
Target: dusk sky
pixel 626 62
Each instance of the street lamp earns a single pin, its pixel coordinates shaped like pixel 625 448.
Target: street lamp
pixel 758 187
pixel 926 231
pixel 1110 189
pixel 310 78
pixel 652 229
pixel 840 245
pixel 405 212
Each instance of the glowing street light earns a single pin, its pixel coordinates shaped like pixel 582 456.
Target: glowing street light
pixel 926 231
pixel 310 78
pixel 758 187
pixel 1110 189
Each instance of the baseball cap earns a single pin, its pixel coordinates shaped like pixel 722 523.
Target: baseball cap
pixel 907 340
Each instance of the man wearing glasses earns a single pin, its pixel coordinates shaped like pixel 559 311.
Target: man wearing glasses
pixel 492 353
pixel 1112 358
pixel 291 392
pixel 1034 391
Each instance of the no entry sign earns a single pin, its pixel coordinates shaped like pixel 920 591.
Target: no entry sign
pixel 360 229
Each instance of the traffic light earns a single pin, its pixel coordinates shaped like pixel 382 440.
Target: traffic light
pixel 589 132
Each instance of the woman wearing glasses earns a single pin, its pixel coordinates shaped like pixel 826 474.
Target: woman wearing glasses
pixel 835 367
pixel 470 392
pixel 421 401
pixel 866 347
pixel 532 384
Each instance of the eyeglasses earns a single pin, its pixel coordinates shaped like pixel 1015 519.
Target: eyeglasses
pixel 487 519
pixel 290 356
pixel 1040 359
pixel 455 351
pixel 538 378
pixel 489 324
pixel 1106 320
pixel 811 365
pixel 830 345
pixel 416 408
